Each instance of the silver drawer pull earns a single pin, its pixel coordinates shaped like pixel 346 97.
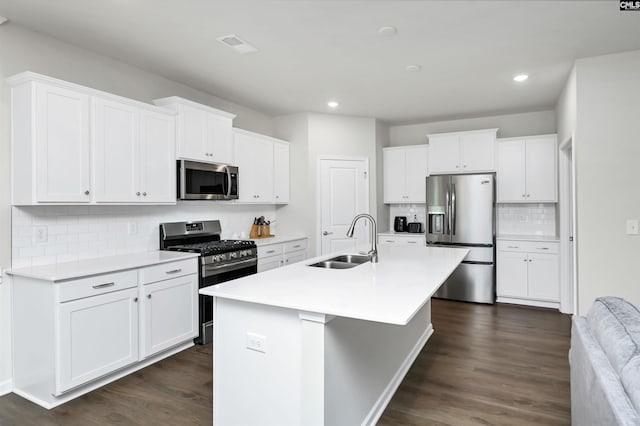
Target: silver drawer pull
pixel 104 285
pixel 271 251
pixel 543 248
pixel 389 241
pixel 412 242
pixel 513 247
pixel 174 271
pixel 297 246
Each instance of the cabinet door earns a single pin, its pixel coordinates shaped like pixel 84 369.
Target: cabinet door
pixel 170 312
pixel 220 137
pixel 544 277
pixel 254 157
pixel 270 263
pixel 394 175
pixel 295 257
pixel 97 335
pixel 281 172
pixel 512 274
pixel 193 143
pixel 416 172
pixel 116 156
pixel 477 152
pixel 541 169
pixel 157 158
pixel 62 145
pixel 444 154
pixel 511 171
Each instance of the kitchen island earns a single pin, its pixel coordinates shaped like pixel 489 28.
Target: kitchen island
pixel 302 345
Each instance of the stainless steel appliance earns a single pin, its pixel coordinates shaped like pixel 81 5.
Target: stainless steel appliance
pixel 220 261
pixel 400 224
pixel 461 213
pixel 414 227
pixel 206 181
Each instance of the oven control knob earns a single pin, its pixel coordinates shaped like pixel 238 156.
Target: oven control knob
pixel 233 255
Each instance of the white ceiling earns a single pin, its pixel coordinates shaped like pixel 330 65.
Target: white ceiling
pixel 313 51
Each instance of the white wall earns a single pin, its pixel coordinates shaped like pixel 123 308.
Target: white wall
pixel 23 50
pixel 607 149
pixel 566 109
pixel 383 210
pixel 509 125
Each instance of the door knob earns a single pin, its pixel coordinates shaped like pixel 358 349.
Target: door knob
pixel 327 233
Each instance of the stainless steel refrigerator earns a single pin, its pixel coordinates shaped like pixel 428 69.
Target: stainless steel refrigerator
pixel 461 213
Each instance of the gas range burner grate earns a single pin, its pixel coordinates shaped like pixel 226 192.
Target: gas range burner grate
pixel 210 247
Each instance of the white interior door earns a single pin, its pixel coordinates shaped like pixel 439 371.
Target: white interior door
pixel 344 193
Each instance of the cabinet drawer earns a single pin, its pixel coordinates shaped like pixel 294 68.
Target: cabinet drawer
pixel 295 245
pixel 529 246
pixel 99 284
pixel 165 271
pixel 270 250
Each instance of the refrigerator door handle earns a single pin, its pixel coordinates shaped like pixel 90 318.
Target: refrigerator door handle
pixel 447 215
pixel 453 209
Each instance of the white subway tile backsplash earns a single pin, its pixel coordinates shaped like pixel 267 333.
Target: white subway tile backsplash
pixel 527 219
pixel 85 232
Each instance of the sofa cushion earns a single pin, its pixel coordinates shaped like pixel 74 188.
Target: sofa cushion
pixel 631 380
pixel 615 324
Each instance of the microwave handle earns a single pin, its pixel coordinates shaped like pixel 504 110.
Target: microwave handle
pixel 228 181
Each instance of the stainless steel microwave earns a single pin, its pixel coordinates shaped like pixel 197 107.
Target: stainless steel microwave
pixel 206 181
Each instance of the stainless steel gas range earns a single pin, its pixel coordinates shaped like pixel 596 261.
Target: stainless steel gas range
pixel 220 260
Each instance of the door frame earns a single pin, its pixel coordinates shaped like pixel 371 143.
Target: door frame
pixel 568 216
pixel 319 161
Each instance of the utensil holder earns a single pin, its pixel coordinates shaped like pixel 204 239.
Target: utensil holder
pixel 260 231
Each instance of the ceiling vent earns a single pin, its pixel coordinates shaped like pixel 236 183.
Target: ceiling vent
pixel 237 44
pixel 3 20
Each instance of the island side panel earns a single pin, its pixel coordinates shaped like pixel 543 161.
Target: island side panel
pixel 252 387
pixel 365 362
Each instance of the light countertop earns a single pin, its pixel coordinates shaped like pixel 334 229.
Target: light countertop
pixel 277 239
pixel 102 265
pixel 390 291
pixel 551 238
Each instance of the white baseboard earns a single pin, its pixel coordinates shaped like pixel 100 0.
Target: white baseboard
pixel 6 387
pixel 529 302
pixel 388 392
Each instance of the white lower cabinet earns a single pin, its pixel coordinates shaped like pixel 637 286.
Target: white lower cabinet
pixel 401 239
pixel 276 255
pixel 528 273
pixel 170 311
pixel 79 334
pixel 97 335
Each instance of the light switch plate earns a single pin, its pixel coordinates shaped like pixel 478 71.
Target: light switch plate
pixel 632 226
pixel 257 342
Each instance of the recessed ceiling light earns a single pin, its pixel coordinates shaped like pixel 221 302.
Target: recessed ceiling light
pixel 414 68
pixel 3 20
pixel 520 78
pixel 236 43
pixel 333 104
pixel 387 31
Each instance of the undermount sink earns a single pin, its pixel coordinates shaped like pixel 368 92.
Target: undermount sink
pixel 344 261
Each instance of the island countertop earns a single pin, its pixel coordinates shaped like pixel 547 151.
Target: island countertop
pixel 390 291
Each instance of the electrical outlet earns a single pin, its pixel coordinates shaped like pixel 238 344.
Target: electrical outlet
pixel 41 234
pixel 632 226
pixel 256 342
pixel 132 228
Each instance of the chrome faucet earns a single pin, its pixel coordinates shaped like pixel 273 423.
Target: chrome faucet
pixel 373 253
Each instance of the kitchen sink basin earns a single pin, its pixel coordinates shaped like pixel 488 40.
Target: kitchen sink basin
pixel 344 261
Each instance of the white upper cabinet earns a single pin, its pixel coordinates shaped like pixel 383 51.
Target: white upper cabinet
pixel 203 133
pixel 280 173
pixel 527 169
pixel 125 154
pixel 50 143
pixel 462 152
pixel 405 172
pixel 263 168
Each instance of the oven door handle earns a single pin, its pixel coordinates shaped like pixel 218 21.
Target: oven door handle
pixel 208 269
pixel 226 169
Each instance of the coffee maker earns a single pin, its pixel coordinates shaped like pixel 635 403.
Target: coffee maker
pixel 400 224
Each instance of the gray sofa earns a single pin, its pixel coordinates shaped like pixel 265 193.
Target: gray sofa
pixel 605 364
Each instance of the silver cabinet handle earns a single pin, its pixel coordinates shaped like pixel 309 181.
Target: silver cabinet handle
pixel 513 247
pixel 524 260
pixel 412 242
pixel 135 300
pixel 86 192
pixel 528 195
pixel 277 196
pixel 271 251
pixel 524 195
pixel 144 194
pixel 105 285
pixel 148 296
pixel 327 233
pixel 174 271
pixel 389 241
pixel 543 248
pixel 529 260
pixel 138 193
pixel 296 246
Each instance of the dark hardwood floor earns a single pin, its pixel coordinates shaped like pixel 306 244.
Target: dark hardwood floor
pixel 492 365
